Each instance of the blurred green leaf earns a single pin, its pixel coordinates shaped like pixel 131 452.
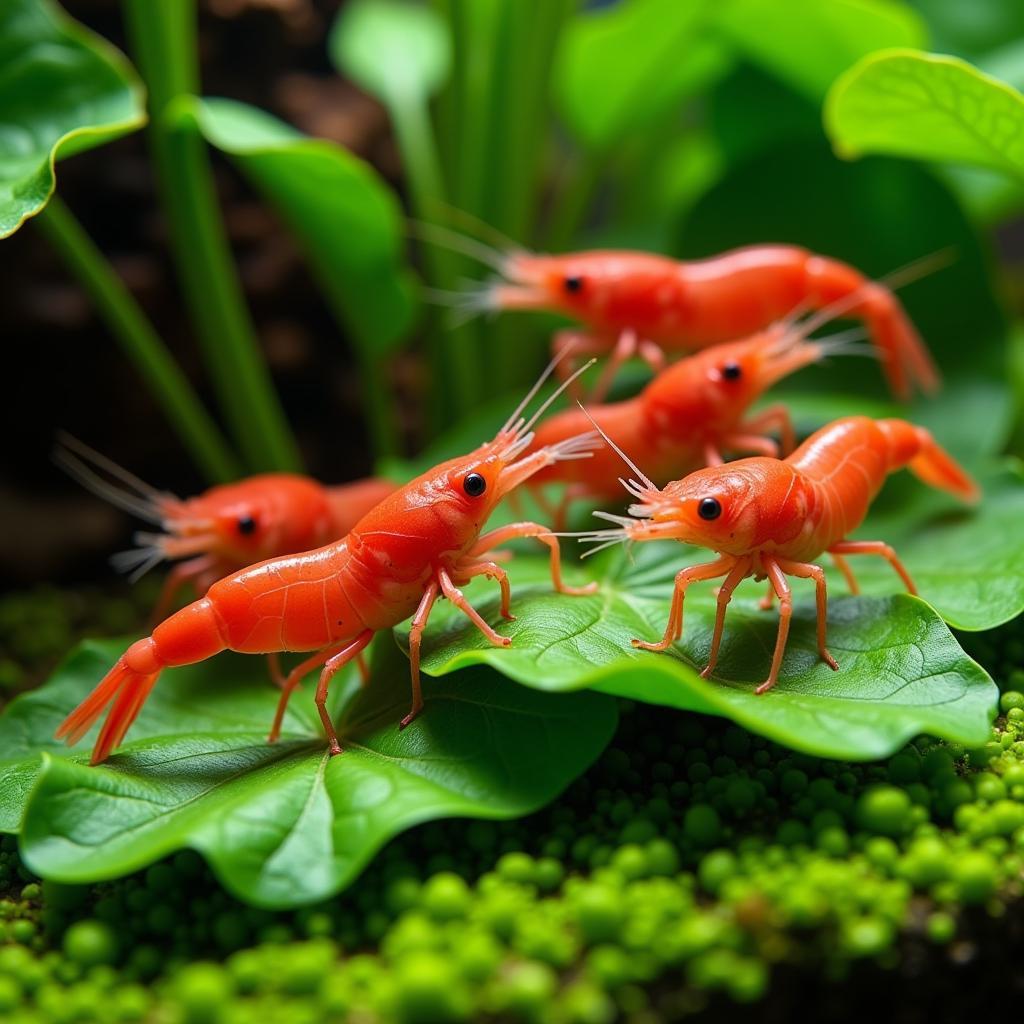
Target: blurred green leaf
pixel 973 28
pixel 929 107
pixel 63 90
pixel 285 824
pixel 621 68
pixel 901 671
pixel 345 215
pixel 393 49
pixel 807 43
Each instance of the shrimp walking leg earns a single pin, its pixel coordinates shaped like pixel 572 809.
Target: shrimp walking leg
pixel 495 538
pixel 567 345
pixel 775 416
pixel 624 350
pixel 844 567
pixel 492 571
pixel 736 574
pixel 458 599
pixel 419 621
pixel 804 570
pixel 751 443
pixel 290 683
pixel 693 574
pixel 875 547
pixel 180 574
pixel 335 662
pixel 628 346
pixel 785 596
pixel 279 679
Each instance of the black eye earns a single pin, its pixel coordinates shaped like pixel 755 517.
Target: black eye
pixel 246 525
pixel 474 485
pixel 573 283
pixel 709 508
pixel 732 371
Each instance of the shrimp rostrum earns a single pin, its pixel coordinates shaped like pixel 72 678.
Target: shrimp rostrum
pixel 423 542
pixel 771 518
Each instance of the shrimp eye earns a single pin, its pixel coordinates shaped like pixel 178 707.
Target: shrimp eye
pixel 709 508
pixel 474 485
pixel 573 283
pixel 246 525
pixel 732 371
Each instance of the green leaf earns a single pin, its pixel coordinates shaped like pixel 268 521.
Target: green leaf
pixel 623 67
pixel 972 29
pixel 929 107
pixel 284 825
pixel 63 90
pixel 393 50
pixel 347 218
pixel 901 671
pixel 807 43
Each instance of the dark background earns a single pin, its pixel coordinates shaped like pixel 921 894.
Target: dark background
pixel 62 369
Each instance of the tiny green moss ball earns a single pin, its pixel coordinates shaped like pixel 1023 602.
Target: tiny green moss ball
pixel 702 825
pixel 445 897
pixel 885 810
pixel 1009 700
pixel 89 943
pixel 203 991
pixel 976 876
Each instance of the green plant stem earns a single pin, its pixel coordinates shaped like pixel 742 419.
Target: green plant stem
pixel 139 341
pixel 164 43
pixel 456 364
pixel 573 202
pixel 375 394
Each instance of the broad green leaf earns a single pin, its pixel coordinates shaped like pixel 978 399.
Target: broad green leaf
pixel 622 67
pixel 63 90
pixel 807 43
pixel 393 49
pixel 929 107
pixel 347 218
pixel 285 825
pixel 901 671
pixel 877 215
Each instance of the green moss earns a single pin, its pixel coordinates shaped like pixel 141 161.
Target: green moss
pixel 693 859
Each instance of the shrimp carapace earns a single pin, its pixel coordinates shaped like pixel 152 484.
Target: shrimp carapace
pixel 421 542
pixel 770 518
pixel 636 303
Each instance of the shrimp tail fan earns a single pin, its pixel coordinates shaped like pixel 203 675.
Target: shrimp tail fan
pixel 937 468
pixel 915 448
pixel 123 688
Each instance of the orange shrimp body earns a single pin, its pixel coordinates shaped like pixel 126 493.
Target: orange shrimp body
pixel 420 542
pixel 686 417
pixel 226 527
pixel 640 303
pixel 768 518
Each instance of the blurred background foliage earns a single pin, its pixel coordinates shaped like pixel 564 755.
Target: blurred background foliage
pixel 681 126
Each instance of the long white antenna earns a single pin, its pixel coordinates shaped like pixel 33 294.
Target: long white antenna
pixel 644 478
